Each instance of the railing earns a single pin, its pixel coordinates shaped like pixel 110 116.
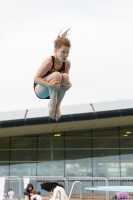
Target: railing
pixel 87 182
pixel 37 180
pixel 70 185
pixel 76 182
pixel 13 182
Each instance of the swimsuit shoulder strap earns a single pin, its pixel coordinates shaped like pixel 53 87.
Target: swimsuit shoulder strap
pixel 53 62
pixel 63 66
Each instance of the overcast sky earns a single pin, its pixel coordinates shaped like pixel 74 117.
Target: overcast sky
pixel 101 54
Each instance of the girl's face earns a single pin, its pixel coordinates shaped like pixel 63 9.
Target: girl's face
pixel 62 53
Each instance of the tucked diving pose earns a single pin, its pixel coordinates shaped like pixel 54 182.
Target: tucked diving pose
pixel 52 78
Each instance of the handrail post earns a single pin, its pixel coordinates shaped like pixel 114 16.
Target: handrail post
pixel 73 187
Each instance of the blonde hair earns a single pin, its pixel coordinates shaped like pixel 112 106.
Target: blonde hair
pixel 62 40
pixel 33 191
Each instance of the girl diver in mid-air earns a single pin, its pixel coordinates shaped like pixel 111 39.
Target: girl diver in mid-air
pixel 52 78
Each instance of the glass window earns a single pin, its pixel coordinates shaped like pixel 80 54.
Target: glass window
pixel 106 169
pixel 126 169
pixel 55 142
pixel 46 135
pixel 44 168
pixel 76 142
pixel 50 168
pixel 51 140
pixel 25 136
pixel 106 142
pixel 126 131
pixel 4 155
pixel 4 169
pixel 78 133
pixel 24 143
pixel 79 139
pixel 106 155
pixel 78 168
pixel 126 154
pixel 50 155
pixel 22 169
pixel 105 132
pixel 44 143
pixel 126 142
pixel 78 155
pixel 23 155
pixel 44 155
pixel 74 153
pixel 4 143
pixel 78 163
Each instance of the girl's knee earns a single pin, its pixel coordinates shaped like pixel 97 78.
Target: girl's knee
pixel 57 76
pixel 65 77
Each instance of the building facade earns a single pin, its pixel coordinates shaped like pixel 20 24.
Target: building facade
pixel 94 143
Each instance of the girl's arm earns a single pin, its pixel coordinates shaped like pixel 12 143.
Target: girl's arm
pixel 44 68
pixel 67 66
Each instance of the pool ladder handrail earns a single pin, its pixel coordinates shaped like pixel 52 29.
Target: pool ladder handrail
pixel 73 187
pixel 71 191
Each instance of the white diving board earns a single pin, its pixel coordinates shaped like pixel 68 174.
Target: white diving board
pixel 111 188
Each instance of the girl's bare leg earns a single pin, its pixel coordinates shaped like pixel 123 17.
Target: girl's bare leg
pixel 43 91
pixel 52 102
pixel 53 96
pixel 60 95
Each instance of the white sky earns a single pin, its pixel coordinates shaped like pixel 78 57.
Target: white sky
pixel 101 53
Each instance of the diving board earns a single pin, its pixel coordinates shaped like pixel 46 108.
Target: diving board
pixel 111 188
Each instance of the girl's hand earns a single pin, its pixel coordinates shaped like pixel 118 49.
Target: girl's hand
pixel 51 195
pixel 67 86
pixel 54 84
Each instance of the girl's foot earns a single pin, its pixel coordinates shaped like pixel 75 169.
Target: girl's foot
pixel 58 114
pixel 51 110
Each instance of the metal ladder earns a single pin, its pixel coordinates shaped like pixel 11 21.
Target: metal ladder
pixel 76 182
pixel 73 187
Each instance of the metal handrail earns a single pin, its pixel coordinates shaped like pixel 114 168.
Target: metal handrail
pixel 44 177
pixel 106 181
pixel 73 187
